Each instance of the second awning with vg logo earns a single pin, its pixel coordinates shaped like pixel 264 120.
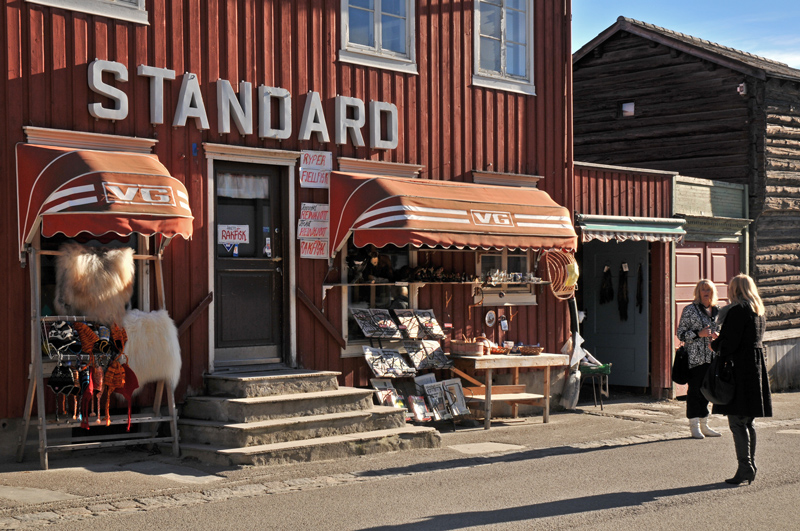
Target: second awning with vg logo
pixel 72 191
pixel 381 211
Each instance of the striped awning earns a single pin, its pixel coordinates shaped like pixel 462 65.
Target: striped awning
pixel 379 211
pixel 621 228
pixel 72 191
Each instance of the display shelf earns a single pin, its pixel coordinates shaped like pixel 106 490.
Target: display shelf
pixel 421 283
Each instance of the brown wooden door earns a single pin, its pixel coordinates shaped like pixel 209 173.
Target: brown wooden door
pixel 248 284
pixel 717 262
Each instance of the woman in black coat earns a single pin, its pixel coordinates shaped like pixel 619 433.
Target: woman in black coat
pixel 740 340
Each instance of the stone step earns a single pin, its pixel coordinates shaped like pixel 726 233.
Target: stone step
pixel 270 383
pixel 271 431
pixel 320 449
pixel 254 409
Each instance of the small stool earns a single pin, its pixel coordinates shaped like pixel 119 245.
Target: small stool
pixel 597 375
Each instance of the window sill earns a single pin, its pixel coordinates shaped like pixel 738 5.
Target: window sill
pixel 507 85
pixel 378 61
pixel 101 8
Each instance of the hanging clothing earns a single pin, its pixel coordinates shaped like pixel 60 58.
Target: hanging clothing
pixel 606 286
pixel 639 289
pixel 622 293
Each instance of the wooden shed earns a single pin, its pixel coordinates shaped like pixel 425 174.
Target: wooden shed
pixel 649 97
pixel 227 96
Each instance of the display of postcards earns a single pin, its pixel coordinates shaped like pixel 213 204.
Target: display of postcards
pixel 409 319
pixel 385 324
pixel 421 380
pixel 436 356
pixel 364 319
pixel 437 400
pixel 387 362
pixel 418 408
pixel 417 355
pixel 455 397
pixel 430 326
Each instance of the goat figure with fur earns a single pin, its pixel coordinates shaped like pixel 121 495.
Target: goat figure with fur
pixel 94 281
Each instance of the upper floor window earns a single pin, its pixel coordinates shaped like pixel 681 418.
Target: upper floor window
pixel 379 33
pixel 130 10
pixel 504 45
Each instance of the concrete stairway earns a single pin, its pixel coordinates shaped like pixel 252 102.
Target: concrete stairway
pixel 284 416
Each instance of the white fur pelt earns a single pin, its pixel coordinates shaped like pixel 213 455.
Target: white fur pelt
pixel 153 350
pixel 94 281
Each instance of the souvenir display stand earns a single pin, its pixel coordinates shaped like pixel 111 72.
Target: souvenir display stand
pixel 76 192
pixel 420 334
pixel 39 368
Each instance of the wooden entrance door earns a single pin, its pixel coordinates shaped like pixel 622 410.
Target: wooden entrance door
pixel 718 262
pixel 608 336
pixel 248 268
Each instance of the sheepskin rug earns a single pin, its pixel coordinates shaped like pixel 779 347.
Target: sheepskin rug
pixel 153 350
pixel 94 281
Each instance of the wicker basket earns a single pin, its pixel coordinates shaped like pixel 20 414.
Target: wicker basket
pixel 500 350
pixel 526 350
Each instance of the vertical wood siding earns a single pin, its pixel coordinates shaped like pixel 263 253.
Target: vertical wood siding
pixel 610 191
pixel 445 124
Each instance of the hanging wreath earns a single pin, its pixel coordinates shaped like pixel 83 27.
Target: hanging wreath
pixel 562 272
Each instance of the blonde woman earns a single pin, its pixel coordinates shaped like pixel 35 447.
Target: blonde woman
pixel 741 341
pixel 696 329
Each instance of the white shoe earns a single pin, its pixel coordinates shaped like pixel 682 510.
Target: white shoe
pixel 695 425
pixel 705 430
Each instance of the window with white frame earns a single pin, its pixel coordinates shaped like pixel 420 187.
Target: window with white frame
pixel 130 10
pixel 379 33
pixel 504 45
pixel 507 277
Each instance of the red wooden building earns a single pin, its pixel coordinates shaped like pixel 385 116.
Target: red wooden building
pixel 228 94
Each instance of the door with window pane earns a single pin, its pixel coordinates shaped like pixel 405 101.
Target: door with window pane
pixel 248 283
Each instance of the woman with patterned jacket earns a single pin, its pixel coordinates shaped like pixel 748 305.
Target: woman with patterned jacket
pixel 697 328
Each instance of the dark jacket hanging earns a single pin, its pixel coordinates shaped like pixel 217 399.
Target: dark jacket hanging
pixel 639 288
pixel 606 286
pixel 622 293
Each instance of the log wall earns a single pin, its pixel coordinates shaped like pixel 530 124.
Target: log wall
pixel 690 119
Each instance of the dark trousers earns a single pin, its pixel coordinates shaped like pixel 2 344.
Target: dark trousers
pixel 696 403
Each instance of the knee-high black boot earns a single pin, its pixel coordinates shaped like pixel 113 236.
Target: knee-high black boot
pixel 741 443
pixel 752 433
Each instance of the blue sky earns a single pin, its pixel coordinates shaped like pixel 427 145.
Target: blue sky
pixel 769 28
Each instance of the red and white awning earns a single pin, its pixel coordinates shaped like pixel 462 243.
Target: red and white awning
pixel 74 191
pixel 381 210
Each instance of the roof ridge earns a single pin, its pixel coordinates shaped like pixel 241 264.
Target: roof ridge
pixel 698 39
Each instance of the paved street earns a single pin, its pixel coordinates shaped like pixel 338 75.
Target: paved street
pixel 631 466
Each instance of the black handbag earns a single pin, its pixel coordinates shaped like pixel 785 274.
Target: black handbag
pixel 718 385
pixel 680 366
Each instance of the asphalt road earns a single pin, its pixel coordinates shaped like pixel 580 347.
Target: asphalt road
pixel 631 467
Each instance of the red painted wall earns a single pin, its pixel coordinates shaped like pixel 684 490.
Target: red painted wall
pixel 446 124
pixel 617 191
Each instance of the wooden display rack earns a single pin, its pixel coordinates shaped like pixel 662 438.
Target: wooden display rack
pixel 37 370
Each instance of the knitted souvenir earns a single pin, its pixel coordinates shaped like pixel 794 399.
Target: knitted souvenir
pixel 113 379
pixel 97 388
pixel 119 337
pixel 87 393
pixel 87 336
pixel 131 385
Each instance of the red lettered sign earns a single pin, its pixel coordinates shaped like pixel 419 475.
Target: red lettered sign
pixel 314 249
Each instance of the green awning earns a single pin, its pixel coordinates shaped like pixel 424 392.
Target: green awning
pixel 621 228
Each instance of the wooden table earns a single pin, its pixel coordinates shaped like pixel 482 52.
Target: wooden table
pixel 515 393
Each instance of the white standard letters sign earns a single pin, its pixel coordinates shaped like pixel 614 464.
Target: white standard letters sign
pixel 233 234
